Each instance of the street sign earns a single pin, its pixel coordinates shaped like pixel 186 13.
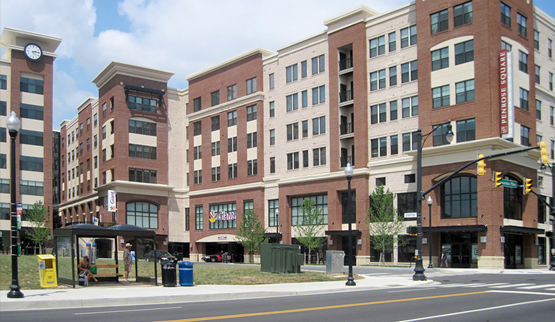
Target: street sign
pixel 508 183
pixel 411 215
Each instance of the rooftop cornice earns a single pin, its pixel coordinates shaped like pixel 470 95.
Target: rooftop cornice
pixel 118 68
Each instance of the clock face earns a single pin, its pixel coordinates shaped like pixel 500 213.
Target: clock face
pixel 33 52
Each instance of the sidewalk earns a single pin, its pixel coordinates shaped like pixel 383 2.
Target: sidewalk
pixel 135 293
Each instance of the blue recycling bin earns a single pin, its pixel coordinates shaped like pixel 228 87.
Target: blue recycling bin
pixel 186 273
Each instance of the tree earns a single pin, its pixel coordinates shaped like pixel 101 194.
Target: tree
pixel 250 232
pixel 384 224
pixel 310 229
pixel 38 218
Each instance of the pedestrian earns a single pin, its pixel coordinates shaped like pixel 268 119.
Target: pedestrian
pixel 85 269
pixel 128 258
pixel 444 257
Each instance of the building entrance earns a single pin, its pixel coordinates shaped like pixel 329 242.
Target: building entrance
pixel 459 246
pixel 513 251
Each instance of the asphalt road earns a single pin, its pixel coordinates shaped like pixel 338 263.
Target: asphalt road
pixel 476 297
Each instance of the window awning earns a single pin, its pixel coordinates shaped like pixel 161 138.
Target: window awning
pixel 522 230
pixel 342 232
pixel 449 229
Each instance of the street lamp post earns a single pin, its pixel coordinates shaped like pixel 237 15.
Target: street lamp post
pixel 552 216
pixel 349 174
pixel 277 225
pixel 419 268
pixel 13 124
pixel 430 201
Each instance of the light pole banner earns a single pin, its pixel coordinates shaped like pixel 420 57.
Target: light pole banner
pixel 111 200
pixel 507 108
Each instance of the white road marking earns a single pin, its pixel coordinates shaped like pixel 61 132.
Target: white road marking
pixel 512 285
pixel 124 311
pixel 536 286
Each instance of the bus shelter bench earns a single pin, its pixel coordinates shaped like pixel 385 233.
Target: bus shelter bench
pixel 107 276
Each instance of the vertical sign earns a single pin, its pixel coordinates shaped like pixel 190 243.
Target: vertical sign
pixel 506 94
pixel 19 212
pixel 111 200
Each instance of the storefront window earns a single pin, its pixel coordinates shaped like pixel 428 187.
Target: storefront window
pixel 223 216
pixel 297 214
pixel 460 198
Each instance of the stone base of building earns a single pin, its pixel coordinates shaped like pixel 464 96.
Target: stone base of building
pixel 363 260
pixel 491 262
pixel 530 262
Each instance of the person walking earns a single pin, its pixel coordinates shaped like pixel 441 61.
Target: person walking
pixel 444 257
pixel 128 258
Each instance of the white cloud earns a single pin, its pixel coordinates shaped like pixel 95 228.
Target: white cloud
pixel 67 97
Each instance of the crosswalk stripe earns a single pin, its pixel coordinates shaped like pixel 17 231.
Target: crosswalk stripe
pixel 512 285
pixel 476 285
pixel 536 286
pixel 550 289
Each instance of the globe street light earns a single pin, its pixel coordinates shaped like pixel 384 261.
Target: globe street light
pixel 349 174
pixel 13 124
pixel 430 201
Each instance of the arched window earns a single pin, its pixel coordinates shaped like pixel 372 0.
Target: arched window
pixel 460 198
pixel 512 200
pixel 142 214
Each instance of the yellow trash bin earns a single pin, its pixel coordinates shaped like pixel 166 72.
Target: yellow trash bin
pixel 47 271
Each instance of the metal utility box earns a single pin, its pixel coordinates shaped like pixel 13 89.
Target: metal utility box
pixel 334 261
pixel 47 271
pixel 280 258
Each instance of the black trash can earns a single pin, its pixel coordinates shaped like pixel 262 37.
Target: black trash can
pixel 169 274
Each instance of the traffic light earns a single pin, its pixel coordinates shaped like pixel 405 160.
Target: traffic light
pixel 544 157
pixel 497 178
pixel 481 165
pixel 412 230
pixel 527 186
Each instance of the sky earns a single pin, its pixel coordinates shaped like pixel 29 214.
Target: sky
pixel 178 36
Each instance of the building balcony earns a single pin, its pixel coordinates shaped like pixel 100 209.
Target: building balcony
pixel 346 128
pixel 347 159
pixel 345 96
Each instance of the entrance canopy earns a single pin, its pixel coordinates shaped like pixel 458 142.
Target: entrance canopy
pixel 66 244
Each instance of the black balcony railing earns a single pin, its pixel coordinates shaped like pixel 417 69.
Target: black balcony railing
pixel 346 128
pixel 345 63
pixel 345 96
pixel 347 159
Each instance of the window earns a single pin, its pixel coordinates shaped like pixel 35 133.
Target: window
pixel 252 140
pixel 319 125
pixel 306 161
pixel 273 218
pixel 95 119
pixel 88 123
pixel 198 217
pixel 30 163
pixel 460 198
pixel 142 175
pixel 318 95
pixel 224 215
pixel 3 162
pixel 393 76
pixel 305 128
pixel 88 144
pixel 29 111
pixel 197 176
pixel 512 201
pixel 197 128
pixel 537 70
pixel 441 96
pixel 392 110
pixel 319 156
pixel 272 81
pixel 466 130
pixel 523 62
pixel 439 21
pixel 292 131
pixel 410 106
pixel 232 170
pixel 408 36
pixel 35 188
pixel 197 104
pixel 409 71
pixel 538 110
pixel 3 82
pixel 142 214
pixel 292 160
pixel 505 14
pixel 272 137
pixel 536 40
pixel 505 45
pixel 252 168
pixel 232 118
pixel 377 80
pixel 304 68
pixel 409 141
pixel 215 148
pixel 30 137
pixel 140 127
pixel 216 174
pixel 232 92
pixel 232 144
pixel 215 123
pixel 523 99
pixel 440 137
pixel 3 109
pixel 320 202
pixel 251 113
pixel 464 91
pixel 215 98
pixel 410 178
pixel 272 109
pixel 549 48
pixel 139 103
pixel 95 141
pixel 142 151
pixel 273 165
pixel 392 41
pixel 462 13
pixel 550 81
pixel 379 147
pixel 318 64
pixel 394 144
pixel 292 102
pixel 377 46
pixel 30 85
pixel 521 21
pixel 251 85
pixel 551 112
pixel 291 73
pixel 464 52
pixel 197 152
pixel 304 98
pixel 440 58
pixel 104 106
pixel 524 135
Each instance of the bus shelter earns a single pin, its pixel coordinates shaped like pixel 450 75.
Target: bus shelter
pixel 70 247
